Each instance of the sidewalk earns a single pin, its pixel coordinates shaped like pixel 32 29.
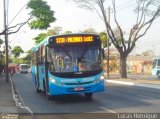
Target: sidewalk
pixel 7 104
pixel 153 83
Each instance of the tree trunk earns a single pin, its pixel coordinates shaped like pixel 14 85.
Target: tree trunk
pixel 123 70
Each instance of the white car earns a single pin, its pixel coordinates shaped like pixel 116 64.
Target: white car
pixel 23 68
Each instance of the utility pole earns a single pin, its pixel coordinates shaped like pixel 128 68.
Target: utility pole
pixel 6 41
pixel 108 44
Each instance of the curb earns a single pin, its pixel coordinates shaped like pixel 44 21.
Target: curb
pixel 134 84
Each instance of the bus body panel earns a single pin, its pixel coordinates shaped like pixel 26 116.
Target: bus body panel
pixel 61 86
pixel 41 76
pixel 41 70
pixel 33 69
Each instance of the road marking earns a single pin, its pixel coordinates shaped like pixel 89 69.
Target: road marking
pixel 144 96
pixel 107 109
pixel 134 84
pixel 18 101
pixel 120 82
pixel 148 86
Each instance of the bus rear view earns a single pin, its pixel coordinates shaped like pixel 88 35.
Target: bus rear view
pixel 73 65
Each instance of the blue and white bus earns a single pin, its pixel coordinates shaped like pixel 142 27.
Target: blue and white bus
pixel 68 64
pixel 156 67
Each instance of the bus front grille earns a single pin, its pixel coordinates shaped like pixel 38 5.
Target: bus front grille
pixel 78 83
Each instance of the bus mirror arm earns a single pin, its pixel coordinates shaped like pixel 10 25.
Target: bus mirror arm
pixel 103 54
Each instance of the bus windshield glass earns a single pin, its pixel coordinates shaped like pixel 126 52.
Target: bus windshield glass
pixel 75 58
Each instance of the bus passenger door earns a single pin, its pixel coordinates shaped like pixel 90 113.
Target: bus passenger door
pixel 47 61
pixel 37 78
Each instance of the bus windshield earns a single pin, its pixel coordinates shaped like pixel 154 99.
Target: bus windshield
pixel 75 58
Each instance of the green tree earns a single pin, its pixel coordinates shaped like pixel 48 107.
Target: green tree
pixel 17 50
pixel 104 39
pixel 148 53
pixel 67 32
pixel 89 30
pixel 27 58
pixel 147 11
pixel 40 37
pixel 55 31
pixel 1 52
pixel 43 15
pixel 1 42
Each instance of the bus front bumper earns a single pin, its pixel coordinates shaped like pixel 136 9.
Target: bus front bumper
pixel 76 89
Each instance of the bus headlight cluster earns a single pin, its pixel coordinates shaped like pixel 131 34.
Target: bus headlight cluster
pixel 55 82
pixel 99 80
pixel 102 78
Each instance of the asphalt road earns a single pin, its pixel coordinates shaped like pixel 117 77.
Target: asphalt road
pixel 116 99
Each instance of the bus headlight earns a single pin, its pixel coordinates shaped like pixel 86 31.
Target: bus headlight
pixel 99 80
pixel 55 82
pixel 102 78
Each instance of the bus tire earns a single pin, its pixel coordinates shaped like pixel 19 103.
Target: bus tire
pixel 158 74
pixel 88 95
pixel 49 97
pixel 37 88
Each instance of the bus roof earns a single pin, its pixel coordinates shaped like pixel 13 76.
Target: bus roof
pixel 46 40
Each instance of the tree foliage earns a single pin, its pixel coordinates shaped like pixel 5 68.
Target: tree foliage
pixel 147 12
pixel 17 50
pixel 41 36
pixel 41 16
pixel 1 42
pixel 104 39
pixel 89 30
pixel 42 13
pixel 67 32
pixel 27 58
pixel 55 31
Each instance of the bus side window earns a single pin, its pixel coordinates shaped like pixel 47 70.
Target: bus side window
pixel 50 60
pixel 43 54
pixel 48 56
pixel 158 64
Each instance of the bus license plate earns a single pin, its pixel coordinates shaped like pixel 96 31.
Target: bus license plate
pixel 78 88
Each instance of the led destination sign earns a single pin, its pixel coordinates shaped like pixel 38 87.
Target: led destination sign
pixel 74 39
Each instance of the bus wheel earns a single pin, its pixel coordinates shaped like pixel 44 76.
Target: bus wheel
pixel 88 95
pixel 37 88
pixel 158 74
pixel 49 97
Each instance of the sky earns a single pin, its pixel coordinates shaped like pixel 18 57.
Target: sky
pixel 70 17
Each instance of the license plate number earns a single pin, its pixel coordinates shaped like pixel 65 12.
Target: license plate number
pixel 78 88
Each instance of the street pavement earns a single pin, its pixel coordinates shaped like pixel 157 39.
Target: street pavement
pixel 7 104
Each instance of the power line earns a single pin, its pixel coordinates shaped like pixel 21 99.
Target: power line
pixel 17 14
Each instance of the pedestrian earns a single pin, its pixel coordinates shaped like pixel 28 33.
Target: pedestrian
pixel 11 70
pixel 142 72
